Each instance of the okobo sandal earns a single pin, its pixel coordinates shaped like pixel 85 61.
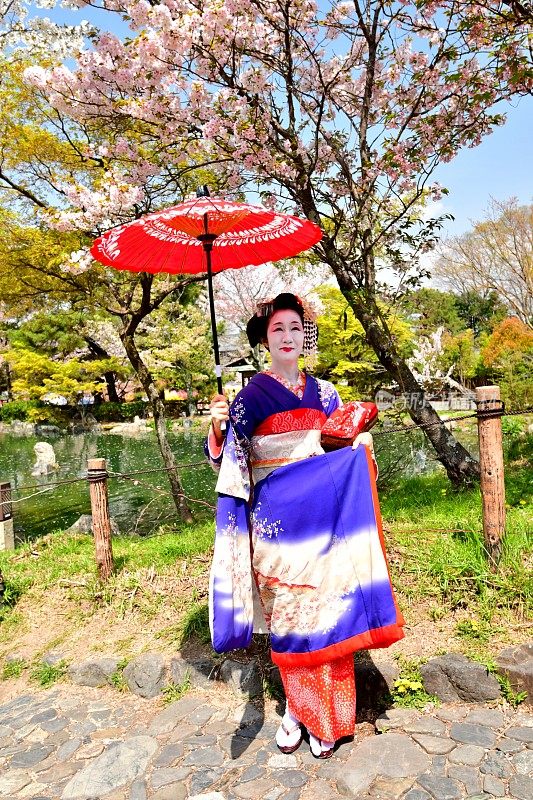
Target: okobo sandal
pixel 289 734
pixel 320 748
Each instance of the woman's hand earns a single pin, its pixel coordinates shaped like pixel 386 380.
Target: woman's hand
pixel 366 439
pixel 219 408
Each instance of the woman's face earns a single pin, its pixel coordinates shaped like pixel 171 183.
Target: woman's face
pixel 285 337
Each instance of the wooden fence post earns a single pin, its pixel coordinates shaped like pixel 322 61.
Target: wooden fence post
pixel 7 536
pixel 97 475
pixel 490 409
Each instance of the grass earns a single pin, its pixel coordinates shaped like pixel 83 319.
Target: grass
pixel 438 563
pixel 175 691
pixel 408 689
pixel 13 668
pixel 47 674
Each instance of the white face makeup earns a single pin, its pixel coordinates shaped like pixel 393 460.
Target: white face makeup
pixel 285 337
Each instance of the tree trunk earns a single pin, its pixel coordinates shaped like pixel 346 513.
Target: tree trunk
pixel 111 384
pixel 462 469
pixel 110 378
pixel 158 408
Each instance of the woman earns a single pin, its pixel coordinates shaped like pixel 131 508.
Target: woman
pixel 315 576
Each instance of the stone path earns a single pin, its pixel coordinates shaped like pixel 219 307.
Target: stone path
pixel 75 743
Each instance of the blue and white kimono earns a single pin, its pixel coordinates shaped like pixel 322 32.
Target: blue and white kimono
pixel 299 547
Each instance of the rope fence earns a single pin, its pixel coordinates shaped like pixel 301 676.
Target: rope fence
pixel 488 415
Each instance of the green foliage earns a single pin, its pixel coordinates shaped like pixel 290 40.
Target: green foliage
pixel 195 624
pixel 118 680
pixel 471 628
pixel 46 674
pixel 408 690
pixel 119 412
pixel 19 409
pixel 460 352
pixel 13 668
pixel 344 356
pixel 428 309
pixel 508 693
pixel 175 691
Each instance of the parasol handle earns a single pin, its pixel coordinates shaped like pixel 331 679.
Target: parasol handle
pixel 207 243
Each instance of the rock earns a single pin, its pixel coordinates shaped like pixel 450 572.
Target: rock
pixel 174 791
pixel 205 757
pixel 397 718
pixel 521 732
pixel 166 720
pixel 491 717
pixel 469 754
pixel 53 658
pixel 199 671
pixel 130 428
pixel 146 675
pixel 516 663
pixel 120 764
pixel 453 677
pixel 242 678
pixel 509 745
pixel 391 788
pixel 441 788
pixel 468 776
pixel 28 758
pixel 417 794
pixel 84 524
pixel 162 777
pixel 22 428
pixel 392 756
pixel 473 734
pixel 434 744
pixel 523 762
pixel 46 459
pixel 428 725
pixel 521 787
pixel 373 682
pixel 13 781
pixel 496 764
pixel 292 778
pixel 47 430
pixel 282 761
pixel 94 671
pixel 169 755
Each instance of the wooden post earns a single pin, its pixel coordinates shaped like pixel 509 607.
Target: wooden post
pixel 7 535
pixel 97 475
pixel 490 409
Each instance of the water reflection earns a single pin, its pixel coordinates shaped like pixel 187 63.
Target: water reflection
pixel 140 504
pixel 137 505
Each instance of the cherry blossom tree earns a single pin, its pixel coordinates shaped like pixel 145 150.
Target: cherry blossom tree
pixel 340 111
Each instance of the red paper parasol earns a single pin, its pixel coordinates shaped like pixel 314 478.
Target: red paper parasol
pixel 206 234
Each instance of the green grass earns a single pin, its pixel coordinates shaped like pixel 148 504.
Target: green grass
pixel 13 668
pixel 434 538
pixel 175 691
pixel 47 674
pixel 408 689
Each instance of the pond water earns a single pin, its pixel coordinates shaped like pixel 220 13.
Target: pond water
pixel 138 505
pixel 141 504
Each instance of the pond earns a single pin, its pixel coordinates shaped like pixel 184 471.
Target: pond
pixel 138 505
pixel 141 504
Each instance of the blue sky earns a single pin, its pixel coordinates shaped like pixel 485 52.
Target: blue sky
pixel 501 167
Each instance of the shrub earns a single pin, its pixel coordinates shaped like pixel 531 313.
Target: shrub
pixel 18 409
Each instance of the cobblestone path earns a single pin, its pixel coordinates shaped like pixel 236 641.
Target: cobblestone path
pixel 71 743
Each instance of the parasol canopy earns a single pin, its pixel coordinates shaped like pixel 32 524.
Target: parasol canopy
pixel 205 234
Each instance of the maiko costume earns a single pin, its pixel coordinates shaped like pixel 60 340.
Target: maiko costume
pixel 299 549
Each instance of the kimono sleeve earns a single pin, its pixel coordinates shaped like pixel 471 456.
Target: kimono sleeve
pixel 329 397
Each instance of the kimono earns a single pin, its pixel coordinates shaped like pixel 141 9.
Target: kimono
pixel 299 549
